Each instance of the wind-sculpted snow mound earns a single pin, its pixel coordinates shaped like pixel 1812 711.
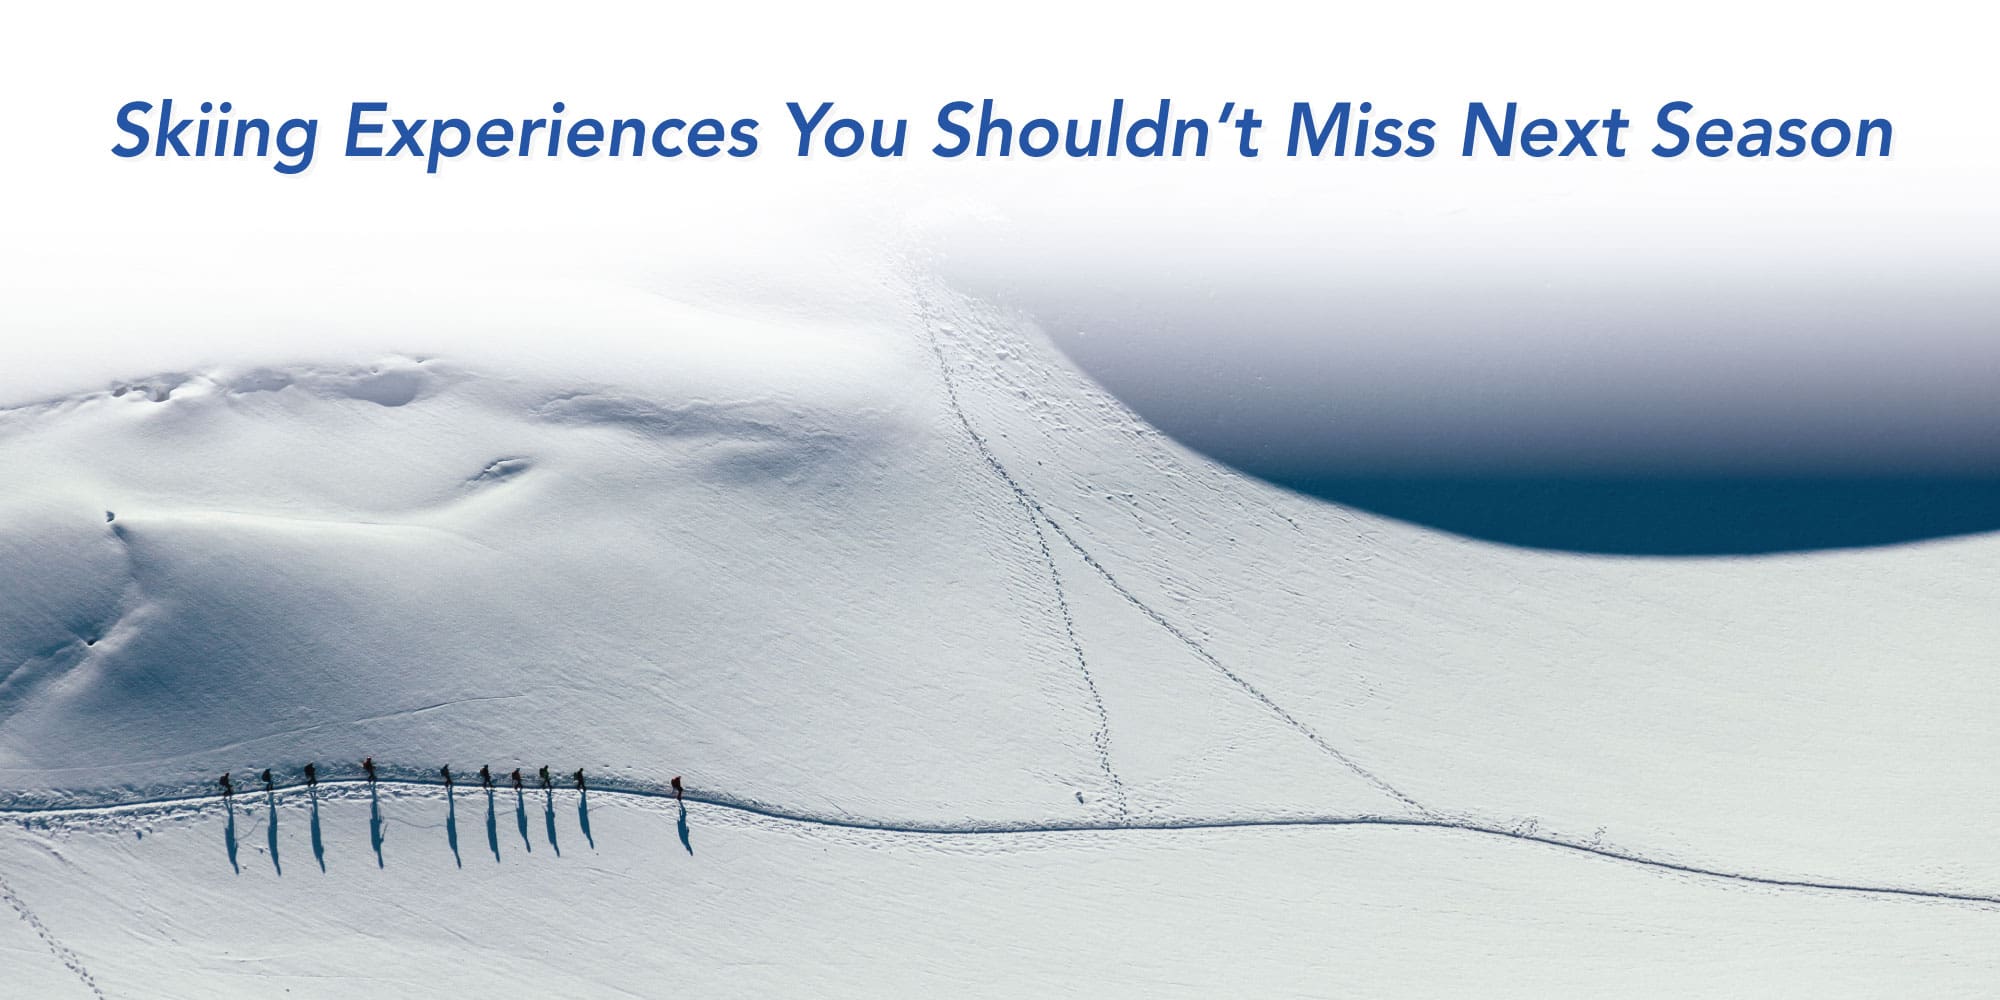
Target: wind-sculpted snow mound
pixel 431 564
pixel 1809 714
pixel 813 594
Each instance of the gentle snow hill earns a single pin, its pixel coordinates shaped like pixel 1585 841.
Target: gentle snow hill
pixel 907 567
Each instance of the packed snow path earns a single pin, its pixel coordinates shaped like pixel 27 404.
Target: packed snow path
pixel 357 788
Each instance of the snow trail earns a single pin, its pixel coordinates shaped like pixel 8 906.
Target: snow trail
pixel 199 804
pixel 1041 515
pixel 70 959
pixel 1102 736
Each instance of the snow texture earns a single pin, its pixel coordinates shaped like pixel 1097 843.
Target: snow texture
pixel 980 686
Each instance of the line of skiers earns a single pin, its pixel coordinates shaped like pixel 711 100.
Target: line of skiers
pixel 485 775
pixel 368 769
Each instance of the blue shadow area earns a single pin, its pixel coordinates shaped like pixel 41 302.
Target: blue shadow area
pixel 229 836
pixel 375 824
pixel 521 820
pixel 549 814
pixel 492 828
pixel 271 830
pixel 319 843
pixel 451 823
pixel 1671 516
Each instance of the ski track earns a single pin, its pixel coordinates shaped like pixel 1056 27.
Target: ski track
pixel 785 814
pixel 1102 737
pixel 1039 513
pixel 63 954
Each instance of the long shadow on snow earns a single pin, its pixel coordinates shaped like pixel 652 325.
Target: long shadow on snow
pixel 271 830
pixel 492 828
pixel 229 836
pixel 521 820
pixel 1668 515
pixel 451 823
pixel 375 823
pixel 319 845
pixel 549 814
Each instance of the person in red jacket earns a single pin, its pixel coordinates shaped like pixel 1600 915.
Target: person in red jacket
pixel 677 788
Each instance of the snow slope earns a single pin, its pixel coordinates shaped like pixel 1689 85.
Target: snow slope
pixel 925 619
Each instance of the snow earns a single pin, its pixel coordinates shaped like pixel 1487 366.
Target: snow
pixel 926 628
pixel 979 684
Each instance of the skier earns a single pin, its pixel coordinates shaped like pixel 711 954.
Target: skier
pixel 485 776
pixel 368 767
pixel 267 779
pixel 517 779
pixel 579 779
pixel 677 788
pixel 228 790
pixel 446 771
pixel 312 777
pixel 545 776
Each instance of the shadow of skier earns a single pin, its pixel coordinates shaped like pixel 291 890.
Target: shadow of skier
pixel 549 814
pixel 271 830
pixel 375 823
pixel 521 819
pixel 319 846
pixel 583 816
pixel 492 828
pixel 229 836
pixel 451 823
pixel 681 826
